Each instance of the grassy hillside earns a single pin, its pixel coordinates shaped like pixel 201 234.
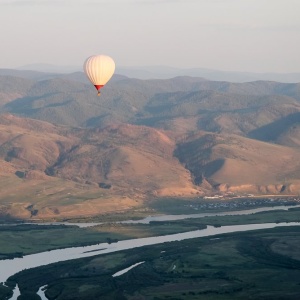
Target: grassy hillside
pixel 233 163
pixel 71 100
pixel 179 137
pixel 47 169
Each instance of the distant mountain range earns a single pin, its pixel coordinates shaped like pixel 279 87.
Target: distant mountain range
pixel 66 152
pixel 165 72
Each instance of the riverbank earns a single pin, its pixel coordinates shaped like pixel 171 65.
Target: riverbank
pixel 24 239
pixel 218 262
pixel 175 206
pixel 163 226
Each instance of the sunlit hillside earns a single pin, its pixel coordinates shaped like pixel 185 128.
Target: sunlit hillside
pixel 142 139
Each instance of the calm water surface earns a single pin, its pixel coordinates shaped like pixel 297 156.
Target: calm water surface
pixel 119 273
pixel 13 266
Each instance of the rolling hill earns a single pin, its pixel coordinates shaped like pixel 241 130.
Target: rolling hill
pixel 66 152
pixel 118 161
pixel 232 163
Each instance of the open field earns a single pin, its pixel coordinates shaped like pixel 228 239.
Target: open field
pixel 201 205
pixel 185 206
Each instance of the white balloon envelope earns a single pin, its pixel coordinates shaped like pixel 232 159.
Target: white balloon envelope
pixel 99 69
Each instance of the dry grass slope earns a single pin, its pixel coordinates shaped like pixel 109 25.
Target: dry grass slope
pixel 181 137
pixel 49 170
pixel 237 164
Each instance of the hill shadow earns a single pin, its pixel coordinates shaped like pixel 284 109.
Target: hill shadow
pixel 272 131
pixel 25 105
pixel 196 155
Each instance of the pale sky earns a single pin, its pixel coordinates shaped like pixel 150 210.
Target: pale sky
pixel 230 35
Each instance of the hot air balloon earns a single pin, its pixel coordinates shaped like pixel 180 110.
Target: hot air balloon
pixel 99 69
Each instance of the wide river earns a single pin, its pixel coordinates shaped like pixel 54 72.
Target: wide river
pixel 13 266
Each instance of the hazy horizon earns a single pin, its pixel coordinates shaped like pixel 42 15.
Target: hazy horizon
pixel 260 36
pixel 47 67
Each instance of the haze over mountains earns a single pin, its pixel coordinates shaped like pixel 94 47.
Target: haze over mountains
pixel 165 72
pixel 178 137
